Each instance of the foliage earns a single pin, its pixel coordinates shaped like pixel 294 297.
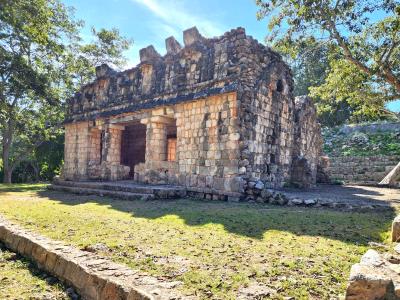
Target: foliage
pixel 42 63
pixel 362 39
pixel 32 42
pixel 347 86
pixel 106 48
pixel 337 143
pixel 215 248
pixel 309 62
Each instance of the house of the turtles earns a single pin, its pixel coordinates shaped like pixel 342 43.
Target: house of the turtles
pixel 217 115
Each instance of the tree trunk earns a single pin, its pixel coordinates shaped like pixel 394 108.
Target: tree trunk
pixel 7 176
pixel 6 144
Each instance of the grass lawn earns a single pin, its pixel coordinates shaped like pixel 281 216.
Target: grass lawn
pixel 19 279
pixel 216 249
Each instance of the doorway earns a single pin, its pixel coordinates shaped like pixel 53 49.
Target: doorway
pixel 133 146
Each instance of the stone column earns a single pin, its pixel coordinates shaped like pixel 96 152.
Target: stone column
pixel 94 146
pixel 156 138
pixel 112 144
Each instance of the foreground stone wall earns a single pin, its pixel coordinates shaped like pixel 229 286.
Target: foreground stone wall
pixel 367 170
pixel 93 276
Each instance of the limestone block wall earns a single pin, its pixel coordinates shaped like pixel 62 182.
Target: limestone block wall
pixel 207 150
pixel 307 148
pixel 95 148
pixel 368 170
pixel 267 122
pixel 83 158
pixel 208 142
pixel 76 149
pixel 111 151
pixel 273 138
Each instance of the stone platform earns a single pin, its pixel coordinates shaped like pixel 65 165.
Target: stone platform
pixel 124 189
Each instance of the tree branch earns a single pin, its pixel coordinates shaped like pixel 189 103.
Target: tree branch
pixel 387 74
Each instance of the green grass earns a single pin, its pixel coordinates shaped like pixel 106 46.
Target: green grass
pixel 214 248
pixel 19 279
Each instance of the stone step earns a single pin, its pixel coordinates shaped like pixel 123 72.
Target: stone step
pixel 101 192
pixel 158 191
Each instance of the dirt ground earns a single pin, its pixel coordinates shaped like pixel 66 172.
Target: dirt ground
pixel 354 195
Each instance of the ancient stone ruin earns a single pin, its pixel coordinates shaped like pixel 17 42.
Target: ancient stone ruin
pixel 215 116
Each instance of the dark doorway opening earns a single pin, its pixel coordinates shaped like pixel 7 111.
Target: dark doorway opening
pixel 133 146
pixel 171 142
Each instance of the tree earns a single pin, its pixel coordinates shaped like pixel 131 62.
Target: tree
pixel 350 93
pixel 309 60
pixel 32 39
pixel 366 34
pixel 107 47
pixel 40 67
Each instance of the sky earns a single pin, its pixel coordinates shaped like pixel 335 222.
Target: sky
pixel 150 22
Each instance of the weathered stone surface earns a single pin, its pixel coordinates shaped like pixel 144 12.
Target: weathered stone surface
pixel 308 143
pixel 103 71
pixel 149 54
pixel 371 279
pixel 310 202
pixel 192 35
pixel 172 45
pixel 368 283
pixel 92 276
pixel 216 115
pixel 396 229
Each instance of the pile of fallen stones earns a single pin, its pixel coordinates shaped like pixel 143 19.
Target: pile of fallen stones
pixel 377 276
pixel 257 192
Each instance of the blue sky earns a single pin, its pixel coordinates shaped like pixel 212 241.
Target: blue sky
pixel 150 22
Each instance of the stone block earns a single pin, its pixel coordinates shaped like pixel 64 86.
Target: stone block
pixel 191 35
pixel 368 283
pixel 149 54
pixel 396 229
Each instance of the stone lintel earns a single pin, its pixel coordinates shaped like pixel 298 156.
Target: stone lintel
pixel 149 54
pixel 158 119
pixel 123 120
pixel 192 35
pixel 116 126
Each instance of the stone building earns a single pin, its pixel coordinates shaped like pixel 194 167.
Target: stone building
pixel 216 115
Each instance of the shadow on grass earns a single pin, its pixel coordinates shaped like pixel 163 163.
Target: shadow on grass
pixel 253 220
pixel 23 187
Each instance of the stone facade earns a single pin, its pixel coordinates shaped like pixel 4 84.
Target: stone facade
pixel 219 116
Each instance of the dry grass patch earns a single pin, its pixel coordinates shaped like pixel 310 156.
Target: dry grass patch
pixel 218 250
